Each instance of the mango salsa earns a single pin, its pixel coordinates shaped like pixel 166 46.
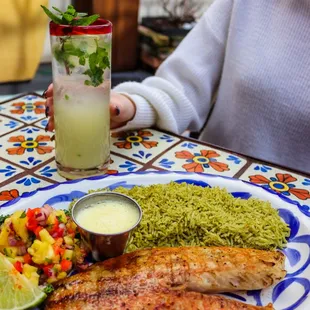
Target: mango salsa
pixel 46 237
pixel 42 243
pixel 19 221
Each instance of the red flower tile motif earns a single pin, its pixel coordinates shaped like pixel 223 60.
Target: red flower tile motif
pixel 22 145
pixel 282 183
pixel 9 195
pixel 197 162
pixel 127 140
pixel 37 107
pixel 112 171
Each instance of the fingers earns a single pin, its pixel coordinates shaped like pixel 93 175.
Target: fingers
pixel 122 110
pixel 49 107
pixel 48 92
pixel 50 125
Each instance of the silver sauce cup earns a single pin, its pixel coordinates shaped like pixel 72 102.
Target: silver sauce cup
pixel 103 246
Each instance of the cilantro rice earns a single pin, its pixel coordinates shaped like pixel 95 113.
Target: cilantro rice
pixel 189 215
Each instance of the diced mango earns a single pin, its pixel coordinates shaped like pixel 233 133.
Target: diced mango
pixel 34 278
pixel 16 259
pixel 10 251
pixel 51 280
pixel 4 234
pixel 61 216
pixel 42 252
pixel 46 237
pixel 57 267
pixel 51 220
pixel 68 254
pixel 28 270
pixel 68 240
pixel 61 275
pixel 19 221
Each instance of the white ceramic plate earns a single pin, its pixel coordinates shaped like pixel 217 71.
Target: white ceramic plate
pixel 291 293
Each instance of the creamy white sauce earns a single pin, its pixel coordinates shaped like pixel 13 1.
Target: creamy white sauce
pixel 108 217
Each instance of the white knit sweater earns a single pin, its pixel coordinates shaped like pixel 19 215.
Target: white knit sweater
pixel 257 53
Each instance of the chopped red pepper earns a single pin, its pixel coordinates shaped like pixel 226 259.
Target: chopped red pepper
pixel 58 250
pixel 18 266
pixel 27 259
pixel 55 231
pixel 37 231
pixel 32 223
pixel 66 265
pixel 48 270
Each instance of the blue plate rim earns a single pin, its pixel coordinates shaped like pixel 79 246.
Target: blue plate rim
pixel 94 178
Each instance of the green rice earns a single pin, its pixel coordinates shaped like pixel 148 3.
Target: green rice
pixel 188 215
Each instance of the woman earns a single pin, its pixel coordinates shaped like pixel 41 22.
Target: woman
pixel 255 56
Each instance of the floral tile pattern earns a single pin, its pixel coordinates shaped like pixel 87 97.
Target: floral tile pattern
pixel 142 145
pixel 27 147
pixel 294 186
pixel 42 123
pixel 15 189
pixel 8 171
pixel 194 157
pixel 117 164
pixel 7 125
pixel 27 109
pixel 49 171
pixel 27 155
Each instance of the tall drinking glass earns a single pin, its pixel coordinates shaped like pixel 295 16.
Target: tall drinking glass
pixel 82 83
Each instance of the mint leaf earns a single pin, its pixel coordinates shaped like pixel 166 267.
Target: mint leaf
pixel 67 17
pixel 82 60
pixel 92 62
pixel 49 288
pixel 85 21
pixel 51 15
pixel 70 16
pixel 3 218
pixel 71 10
pixel 56 9
pixel 67 212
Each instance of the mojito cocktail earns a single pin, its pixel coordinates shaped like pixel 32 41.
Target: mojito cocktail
pixel 82 83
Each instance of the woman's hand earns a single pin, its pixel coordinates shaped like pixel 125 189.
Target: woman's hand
pixel 122 109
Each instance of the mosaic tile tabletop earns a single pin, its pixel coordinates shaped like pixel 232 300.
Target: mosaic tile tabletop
pixel 27 155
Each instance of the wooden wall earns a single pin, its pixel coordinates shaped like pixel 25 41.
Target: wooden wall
pixel 124 16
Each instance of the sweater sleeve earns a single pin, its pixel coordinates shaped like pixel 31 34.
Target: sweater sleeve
pixel 179 96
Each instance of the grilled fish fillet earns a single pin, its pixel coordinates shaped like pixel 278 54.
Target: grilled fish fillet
pixel 160 301
pixel 198 269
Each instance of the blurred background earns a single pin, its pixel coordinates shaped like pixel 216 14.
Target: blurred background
pixel 145 33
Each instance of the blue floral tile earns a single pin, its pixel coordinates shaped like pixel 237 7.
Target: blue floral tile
pixel 291 185
pixel 42 123
pixel 27 109
pixel 27 147
pixel 28 180
pixel 7 125
pixel 189 145
pixel 306 182
pixel 24 184
pixel 49 171
pixel 8 170
pixel 195 157
pixel 142 145
pixel 119 164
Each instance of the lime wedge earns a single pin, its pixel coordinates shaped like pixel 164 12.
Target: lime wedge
pixel 16 291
